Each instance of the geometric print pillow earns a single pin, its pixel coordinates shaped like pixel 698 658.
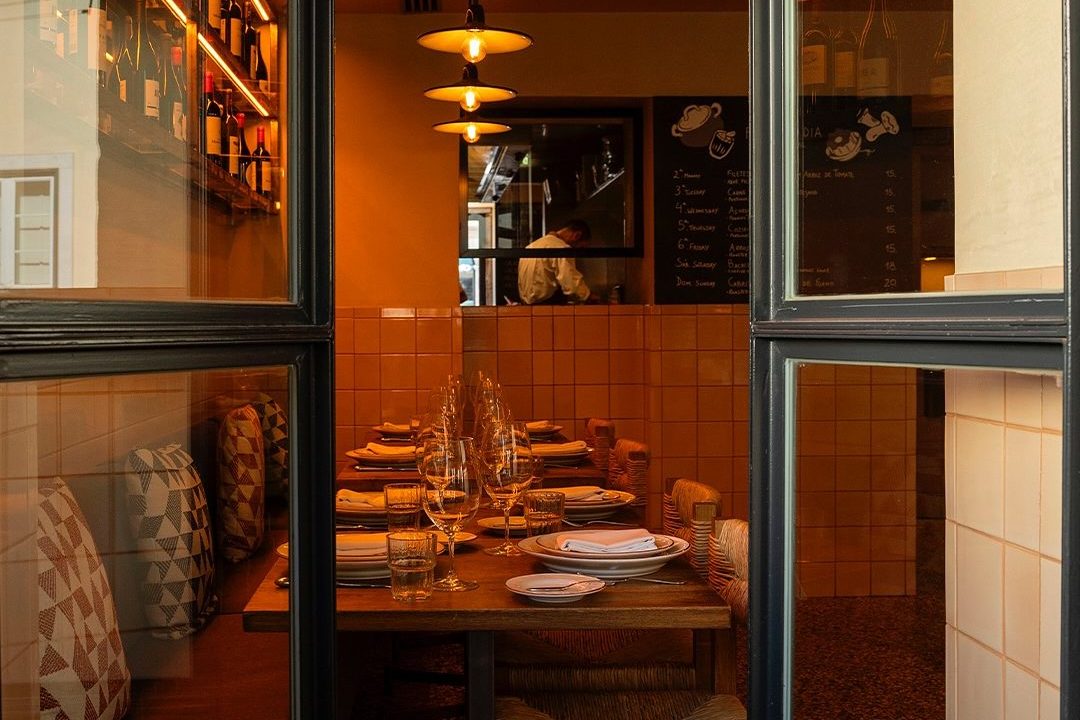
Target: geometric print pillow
pixel 81 664
pixel 241 484
pixel 275 429
pixel 170 520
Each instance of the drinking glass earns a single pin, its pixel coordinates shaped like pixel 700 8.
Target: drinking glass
pixel 451 495
pixel 508 465
pixel 544 511
pixel 402 506
pixel 411 557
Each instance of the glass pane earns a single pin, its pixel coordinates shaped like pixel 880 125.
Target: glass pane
pixel 138 516
pixel 910 177
pixel 155 127
pixel 928 543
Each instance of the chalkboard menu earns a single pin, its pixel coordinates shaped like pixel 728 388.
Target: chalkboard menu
pixel 701 153
pixel 855 210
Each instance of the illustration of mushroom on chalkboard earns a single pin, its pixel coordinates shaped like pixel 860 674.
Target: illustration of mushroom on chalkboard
pixel 844 145
pixel 701 126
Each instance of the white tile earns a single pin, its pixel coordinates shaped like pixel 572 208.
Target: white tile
pixel 1023 454
pixel 1023 399
pixel 1021 694
pixel 950 466
pixel 1050 496
pixel 950 572
pixel 1049 702
pixel 1052 406
pixel 950 673
pixel 979 688
pixel 1022 607
pixel 1050 621
pixel 980 491
pixel 979 565
pixel 981 394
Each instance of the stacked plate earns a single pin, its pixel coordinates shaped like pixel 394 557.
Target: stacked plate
pixel 607 565
pixel 379 455
pixel 588 502
pixel 542 430
pixel 360 556
pixel 393 430
pixel 562 454
pixel 366 508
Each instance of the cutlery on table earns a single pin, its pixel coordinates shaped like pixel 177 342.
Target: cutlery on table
pixel 609 583
pixel 597 522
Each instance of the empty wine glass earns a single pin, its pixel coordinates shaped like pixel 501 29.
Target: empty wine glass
pixel 451 495
pixel 509 471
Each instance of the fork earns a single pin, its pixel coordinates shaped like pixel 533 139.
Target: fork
pixel 597 522
pixel 608 583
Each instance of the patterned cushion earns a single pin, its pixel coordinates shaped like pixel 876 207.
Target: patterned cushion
pixel 275 429
pixel 241 483
pixel 171 524
pixel 81 664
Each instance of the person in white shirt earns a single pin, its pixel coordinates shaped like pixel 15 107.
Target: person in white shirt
pixel 554 280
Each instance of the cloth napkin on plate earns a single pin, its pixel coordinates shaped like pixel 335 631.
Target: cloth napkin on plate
pixel 395 427
pixel 354 545
pixel 538 425
pixel 559 449
pixel 361 500
pixel 604 541
pixel 582 493
pixel 390 450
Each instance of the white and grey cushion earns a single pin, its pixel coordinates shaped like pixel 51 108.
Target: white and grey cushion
pixel 241 484
pixel 170 520
pixel 275 429
pixel 82 668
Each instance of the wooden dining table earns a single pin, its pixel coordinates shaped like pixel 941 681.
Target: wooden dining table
pixel 492 608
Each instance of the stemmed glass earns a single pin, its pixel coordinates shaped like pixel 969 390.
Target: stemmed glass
pixel 509 471
pixel 451 495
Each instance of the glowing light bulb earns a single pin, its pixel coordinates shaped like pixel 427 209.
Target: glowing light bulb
pixel 474 49
pixel 469 100
pixel 471 134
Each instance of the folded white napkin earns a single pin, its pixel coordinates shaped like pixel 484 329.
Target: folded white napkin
pixel 390 450
pixel 538 425
pixel 607 541
pixel 351 498
pixel 361 545
pixel 395 427
pixel 582 493
pixel 575 447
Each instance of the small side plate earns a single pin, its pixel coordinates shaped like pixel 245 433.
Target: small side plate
pixel 554 587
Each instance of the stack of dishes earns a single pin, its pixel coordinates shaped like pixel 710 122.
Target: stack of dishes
pixel 394 430
pixel 360 556
pixel 379 455
pixel 607 554
pixel 562 454
pixel 366 508
pixel 589 502
pixel 542 430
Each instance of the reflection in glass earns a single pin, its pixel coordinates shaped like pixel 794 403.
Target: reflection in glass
pixel 928 542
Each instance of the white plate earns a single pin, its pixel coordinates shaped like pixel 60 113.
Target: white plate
pixel 545 431
pixel 599 510
pixel 392 432
pixel 370 459
pixel 548 543
pixel 495 525
pixel 526 586
pixel 604 568
pixel 460 538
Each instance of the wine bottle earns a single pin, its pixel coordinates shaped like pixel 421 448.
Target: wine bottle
pixel 230 143
pixel 211 125
pixel 233 24
pixel 941 66
pixel 815 51
pixel 845 51
pixel 258 65
pixel 879 54
pixel 73 51
pixel 243 152
pixel 61 38
pixel 258 175
pixel 174 93
pixel 251 37
pixel 148 69
pixel 213 16
pixel 92 39
pixel 47 21
pixel 124 68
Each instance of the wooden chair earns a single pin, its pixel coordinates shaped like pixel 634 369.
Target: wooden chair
pixel 729 553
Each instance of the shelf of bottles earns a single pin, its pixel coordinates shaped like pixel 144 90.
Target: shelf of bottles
pixel 187 87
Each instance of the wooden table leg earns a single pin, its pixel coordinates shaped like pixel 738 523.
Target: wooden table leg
pixel 480 675
pixel 715 664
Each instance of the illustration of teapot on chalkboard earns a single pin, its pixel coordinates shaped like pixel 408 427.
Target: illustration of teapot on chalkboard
pixel 702 126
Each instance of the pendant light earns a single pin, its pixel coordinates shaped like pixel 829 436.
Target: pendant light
pixel 471 127
pixel 469 92
pixel 475 40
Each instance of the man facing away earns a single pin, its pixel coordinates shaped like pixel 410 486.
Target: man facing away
pixel 554 280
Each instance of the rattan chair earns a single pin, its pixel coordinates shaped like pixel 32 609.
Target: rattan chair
pixel 729 573
pixel 600 436
pixel 690 507
pixel 628 469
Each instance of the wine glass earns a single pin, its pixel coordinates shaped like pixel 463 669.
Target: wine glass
pixel 451 495
pixel 509 471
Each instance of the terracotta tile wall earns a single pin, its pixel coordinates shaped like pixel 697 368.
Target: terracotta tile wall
pixel 855 480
